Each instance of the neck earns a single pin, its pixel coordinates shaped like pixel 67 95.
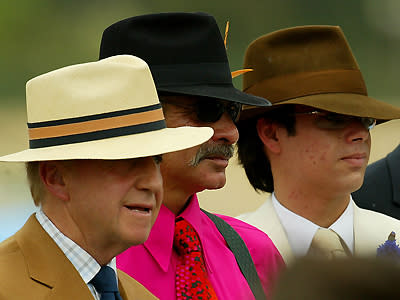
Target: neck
pixel 317 205
pixel 175 198
pixel 176 201
pixel 89 241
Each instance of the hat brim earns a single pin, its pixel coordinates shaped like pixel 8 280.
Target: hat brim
pixel 123 147
pixel 224 92
pixel 342 103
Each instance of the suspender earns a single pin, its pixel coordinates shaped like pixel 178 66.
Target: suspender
pixel 242 255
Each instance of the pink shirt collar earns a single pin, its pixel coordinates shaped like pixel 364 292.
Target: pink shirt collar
pixel 160 240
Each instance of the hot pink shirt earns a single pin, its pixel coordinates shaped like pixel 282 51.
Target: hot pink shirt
pixel 153 263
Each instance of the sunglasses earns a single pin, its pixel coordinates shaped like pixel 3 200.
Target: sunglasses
pixel 330 120
pixel 209 110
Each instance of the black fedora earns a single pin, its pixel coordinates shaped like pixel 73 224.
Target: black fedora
pixel 185 52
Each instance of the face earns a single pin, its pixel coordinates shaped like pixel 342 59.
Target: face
pixel 331 160
pixel 114 202
pixel 201 167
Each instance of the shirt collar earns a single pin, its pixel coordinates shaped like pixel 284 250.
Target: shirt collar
pixel 160 241
pixel 300 231
pixel 83 262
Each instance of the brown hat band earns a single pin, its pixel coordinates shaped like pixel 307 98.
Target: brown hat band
pixel 94 127
pixel 292 86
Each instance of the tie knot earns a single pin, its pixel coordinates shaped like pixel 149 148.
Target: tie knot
pixel 105 281
pixel 327 244
pixel 186 239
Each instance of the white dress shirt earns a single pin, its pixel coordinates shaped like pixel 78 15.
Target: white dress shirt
pixel 300 231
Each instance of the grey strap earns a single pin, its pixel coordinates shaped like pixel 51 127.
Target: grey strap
pixel 241 253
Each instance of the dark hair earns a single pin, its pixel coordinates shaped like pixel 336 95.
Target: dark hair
pixel 251 153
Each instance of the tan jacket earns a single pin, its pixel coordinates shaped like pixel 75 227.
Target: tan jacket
pixel 370 229
pixel 32 267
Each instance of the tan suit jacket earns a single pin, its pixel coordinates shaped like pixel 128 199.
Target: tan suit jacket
pixel 32 267
pixel 371 229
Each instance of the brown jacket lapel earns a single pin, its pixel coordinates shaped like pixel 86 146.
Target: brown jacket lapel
pixel 34 261
pixel 130 289
pixel 47 264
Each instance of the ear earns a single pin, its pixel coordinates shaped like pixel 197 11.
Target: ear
pixel 51 174
pixel 267 131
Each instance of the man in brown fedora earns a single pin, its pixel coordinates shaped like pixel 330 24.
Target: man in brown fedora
pixel 187 57
pixel 96 135
pixel 311 148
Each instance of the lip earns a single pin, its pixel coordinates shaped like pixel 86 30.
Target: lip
pixel 220 160
pixel 139 208
pixel 356 159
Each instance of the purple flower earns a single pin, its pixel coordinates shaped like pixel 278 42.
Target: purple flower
pixel 389 249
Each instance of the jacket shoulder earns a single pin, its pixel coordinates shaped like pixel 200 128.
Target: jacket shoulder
pixel 249 233
pixel 372 229
pixel 261 247
pixel 14 273
pixel 377 220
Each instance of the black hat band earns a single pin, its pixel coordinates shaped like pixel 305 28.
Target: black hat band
pixel 189 74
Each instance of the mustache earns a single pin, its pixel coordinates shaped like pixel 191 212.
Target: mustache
pixel 207 150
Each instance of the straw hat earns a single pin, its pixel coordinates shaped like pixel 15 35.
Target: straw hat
pixel 185 52
pixel 313 66
pixel 107 109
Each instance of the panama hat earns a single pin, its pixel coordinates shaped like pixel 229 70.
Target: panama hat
pixel 107 109
pixel 185 52
pixel 313 66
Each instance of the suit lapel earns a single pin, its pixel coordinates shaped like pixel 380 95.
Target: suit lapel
pixel 266 219
pixel 70 288
pixel 393 165
pixel 361 238
pixel 48 265
pixel 371 229
pixel 130 289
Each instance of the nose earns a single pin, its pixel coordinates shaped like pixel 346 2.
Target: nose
pixel 225 130
pixel 356 132
pixel 150 176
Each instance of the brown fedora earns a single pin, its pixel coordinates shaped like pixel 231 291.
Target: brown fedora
pixel 313 66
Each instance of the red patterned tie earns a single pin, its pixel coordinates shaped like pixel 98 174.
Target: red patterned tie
pixel 191 279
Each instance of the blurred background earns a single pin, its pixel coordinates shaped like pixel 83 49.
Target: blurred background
pixel 43 35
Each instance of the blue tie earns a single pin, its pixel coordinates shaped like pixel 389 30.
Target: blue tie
pixel 105 284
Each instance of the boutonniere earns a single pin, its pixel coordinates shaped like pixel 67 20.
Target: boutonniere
pixel 390 248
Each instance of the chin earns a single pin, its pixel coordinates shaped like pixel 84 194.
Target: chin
pixel 215 184
pixel 207 180
pixel 356 184
pixel 137 238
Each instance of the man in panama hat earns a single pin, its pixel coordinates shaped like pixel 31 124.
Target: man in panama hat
pixel 96 135
pixel 187 57
pixel 311 148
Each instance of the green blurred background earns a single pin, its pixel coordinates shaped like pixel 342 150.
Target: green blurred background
pixel 38 36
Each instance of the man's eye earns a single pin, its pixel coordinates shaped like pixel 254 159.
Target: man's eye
pixel 335 119
pixel 157 159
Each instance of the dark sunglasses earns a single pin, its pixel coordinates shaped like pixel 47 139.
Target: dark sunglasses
pixel 209 110
pixel 330 120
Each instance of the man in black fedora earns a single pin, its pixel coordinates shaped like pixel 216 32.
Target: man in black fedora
pixel 187 58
